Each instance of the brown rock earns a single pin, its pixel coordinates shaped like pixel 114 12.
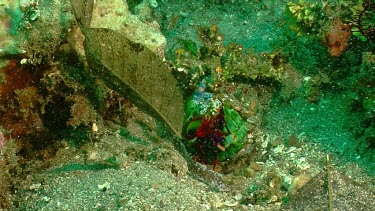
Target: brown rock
pixel 255 166
pixel 293 141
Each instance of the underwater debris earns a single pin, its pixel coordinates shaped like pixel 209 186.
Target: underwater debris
pixel 133 70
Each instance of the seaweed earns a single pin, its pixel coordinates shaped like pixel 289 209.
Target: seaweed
pixel 109 163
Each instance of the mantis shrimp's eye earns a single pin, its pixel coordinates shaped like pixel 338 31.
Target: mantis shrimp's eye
pixel 220 121
pixel 201 87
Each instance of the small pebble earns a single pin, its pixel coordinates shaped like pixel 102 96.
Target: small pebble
pixel 105 186
pixel 277 141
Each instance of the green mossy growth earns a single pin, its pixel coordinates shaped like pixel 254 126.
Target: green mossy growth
pixel 305 16
pixel 126 134
pixel 93 90
pixel 16 19
pixel 190 46
pixel 110 163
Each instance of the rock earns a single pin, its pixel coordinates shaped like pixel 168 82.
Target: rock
pixel 293 141
pixel 121 19
pixel 104 187
pixel 298 182
pixel 6 12
pixel 33 29
pixel 144 9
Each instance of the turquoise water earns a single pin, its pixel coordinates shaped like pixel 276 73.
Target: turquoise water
pixel 187 105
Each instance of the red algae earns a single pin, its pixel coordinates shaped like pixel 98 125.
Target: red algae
pixel 16 77
pixel 18 98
